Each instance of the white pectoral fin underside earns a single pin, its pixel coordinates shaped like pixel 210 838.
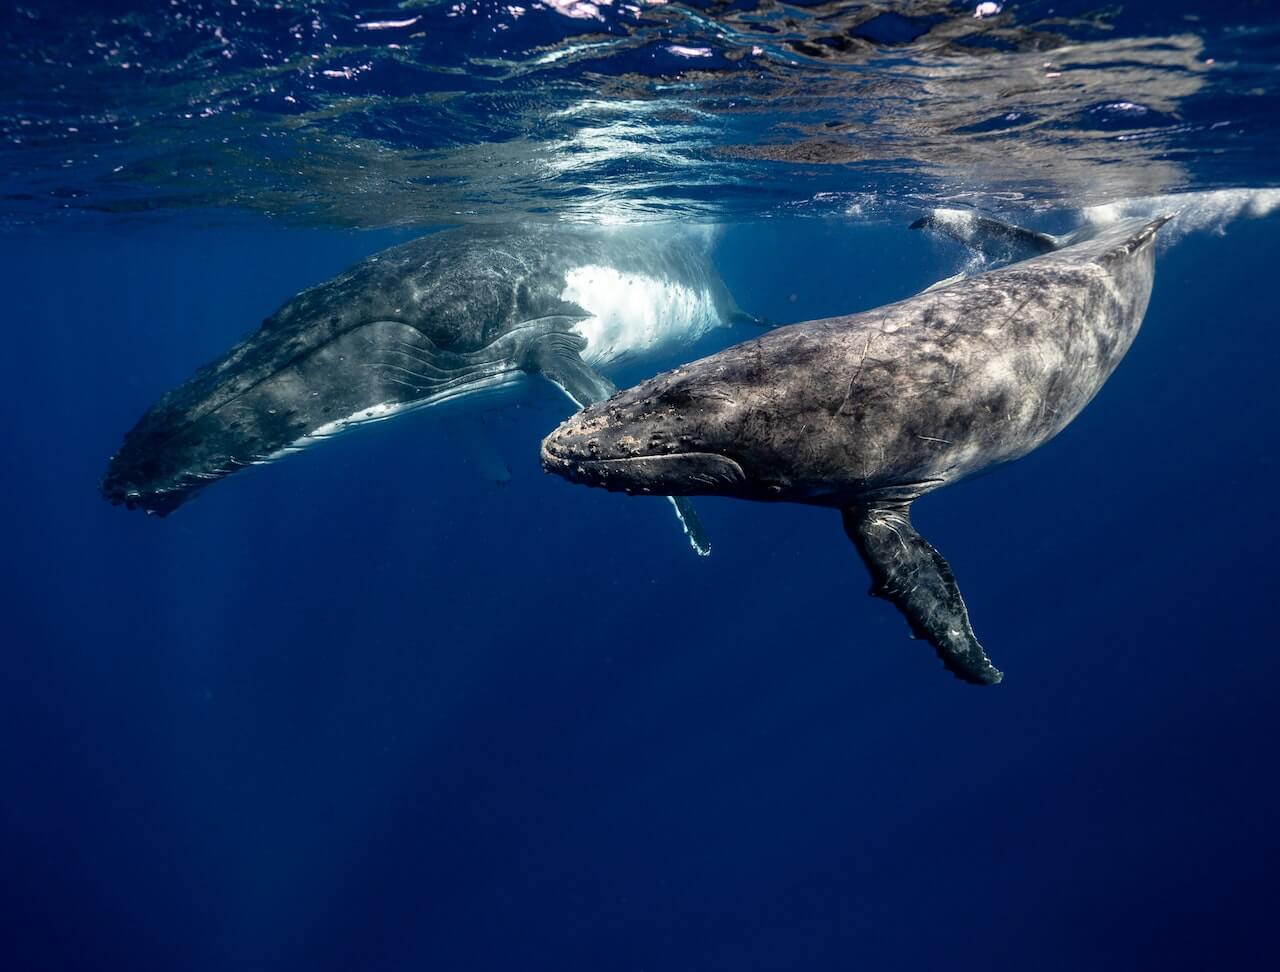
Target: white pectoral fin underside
pixel 631 315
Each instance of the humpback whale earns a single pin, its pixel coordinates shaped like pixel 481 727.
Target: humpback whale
pixel 869 412
pixel 452 314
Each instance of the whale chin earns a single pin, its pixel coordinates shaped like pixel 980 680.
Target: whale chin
pixel 155 502
pixel 670 474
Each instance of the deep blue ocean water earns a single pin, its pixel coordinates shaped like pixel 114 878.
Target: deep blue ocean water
pixel 368 709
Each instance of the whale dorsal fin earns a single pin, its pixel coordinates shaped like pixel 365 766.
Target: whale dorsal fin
pixel 996 241
pixel 906 570
pixel 557 356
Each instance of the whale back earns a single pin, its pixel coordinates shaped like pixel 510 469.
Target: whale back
pixel 944 384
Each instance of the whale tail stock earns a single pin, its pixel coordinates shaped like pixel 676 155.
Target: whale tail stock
pixel 995 241
pixel 906 570
pixel 998 243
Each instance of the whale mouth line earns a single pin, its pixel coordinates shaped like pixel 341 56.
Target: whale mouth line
pixel 671 474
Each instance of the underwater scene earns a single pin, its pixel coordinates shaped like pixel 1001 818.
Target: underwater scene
pixel 700 486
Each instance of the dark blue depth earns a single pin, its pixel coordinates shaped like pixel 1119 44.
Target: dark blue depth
pixel 365 710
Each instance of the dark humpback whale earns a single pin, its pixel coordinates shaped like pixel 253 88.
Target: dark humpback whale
pixel 867 413
pixel 452 314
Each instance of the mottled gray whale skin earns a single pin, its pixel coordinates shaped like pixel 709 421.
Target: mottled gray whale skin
pixel 868 412
pixel 451 314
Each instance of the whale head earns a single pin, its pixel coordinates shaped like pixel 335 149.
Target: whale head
pixel 266 398
pixel 669 436
pixel 282 390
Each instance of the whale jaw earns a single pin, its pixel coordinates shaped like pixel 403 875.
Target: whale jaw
pixel 670 474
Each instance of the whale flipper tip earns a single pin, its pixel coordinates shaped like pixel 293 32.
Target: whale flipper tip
pixel 906 570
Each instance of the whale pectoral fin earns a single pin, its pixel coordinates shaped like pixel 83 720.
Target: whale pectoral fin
pixel 692 523
pixel 558 358
pixel 469 433
pixel 906 570
pixel 998 242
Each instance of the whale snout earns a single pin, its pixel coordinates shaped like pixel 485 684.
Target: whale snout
pixel 170 455
pixel 605 447
pixel 155 503
pixel 679 474
pixel 142 486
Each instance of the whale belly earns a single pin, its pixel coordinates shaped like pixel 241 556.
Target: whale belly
pixel 634 315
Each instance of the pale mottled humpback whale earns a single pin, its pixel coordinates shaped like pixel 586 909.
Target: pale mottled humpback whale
pixel 449 315
pixel 867 413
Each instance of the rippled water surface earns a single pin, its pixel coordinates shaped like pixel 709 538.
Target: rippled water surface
pixel 430 112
